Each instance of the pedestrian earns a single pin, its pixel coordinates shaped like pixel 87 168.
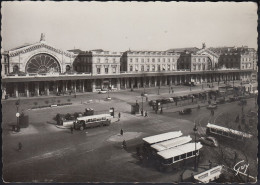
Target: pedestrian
pixel 19 146
pixel 146 99
pixel 121 132
pixel 172 91
pixel 119 116
pixel 161 110
pixel 71 130
pixel 145 114
pixel 124 145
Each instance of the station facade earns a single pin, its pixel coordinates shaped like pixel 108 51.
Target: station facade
pixel 41 70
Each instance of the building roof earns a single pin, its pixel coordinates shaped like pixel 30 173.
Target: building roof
pixel 171 143
pixel 181 50
pixel 162 137
pixel 21 46
pixel 179 150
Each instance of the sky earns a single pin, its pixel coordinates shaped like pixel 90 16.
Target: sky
pixel 119 26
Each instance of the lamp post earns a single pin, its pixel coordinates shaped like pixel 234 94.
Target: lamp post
pixel 17 104
pixel 195 129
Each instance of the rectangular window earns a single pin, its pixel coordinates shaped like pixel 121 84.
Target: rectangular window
pixel 98 70
pixel 183 156
pixel 114 69
pixel 189 154
pixel 176 158
pixel 106 70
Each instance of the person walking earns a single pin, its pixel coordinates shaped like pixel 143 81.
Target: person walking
pixel 145 115
pixel 121 132
pixel 20 146
pixel 71 130
pixel 119 116
pixel 124 145
pixel 161 110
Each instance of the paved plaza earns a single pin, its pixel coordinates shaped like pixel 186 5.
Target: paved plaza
pixel 53 154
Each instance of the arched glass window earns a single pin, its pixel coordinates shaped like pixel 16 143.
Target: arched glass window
pixel 42 63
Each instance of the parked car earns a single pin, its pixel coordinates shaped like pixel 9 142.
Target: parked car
pixel 102 91
pixel 185 111
pixel 220 101
pixel 211 106
pixel 211 141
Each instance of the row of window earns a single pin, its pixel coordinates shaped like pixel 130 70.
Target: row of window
pixel 168 67
pixel 106 70
pixel 106 60
pixel 200 59
pixel 153 60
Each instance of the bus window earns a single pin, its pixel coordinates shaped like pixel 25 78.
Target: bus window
pixel 194 152
pixel 167 161
pixel 98 119
pixel 183 156
pixel 225 133
pixel 219 132
pixel 89 120
pixel 213 130
pixel 176 158
pixel 189 154
pixel 94 119
pixel 103 118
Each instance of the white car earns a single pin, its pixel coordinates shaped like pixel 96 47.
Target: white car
pixel 211 141
pixel 102 92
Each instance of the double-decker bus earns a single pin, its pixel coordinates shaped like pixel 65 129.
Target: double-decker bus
pixel 82 123
pixel 224 132
pixel 174 156
pixel 170 143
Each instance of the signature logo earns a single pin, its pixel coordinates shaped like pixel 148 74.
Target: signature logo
pixel 241 167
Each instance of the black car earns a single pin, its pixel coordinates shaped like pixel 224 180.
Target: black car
pixel 185 111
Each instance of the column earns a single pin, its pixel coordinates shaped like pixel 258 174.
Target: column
pixel 170 78
pixel 155 81
pixel 15 90
pixel 80 86
pixel 37 89
pixel 176 80
pixel 165 81
pixel 160 81
pixel 118 83
pixel 132 83
pixel 26 89
pixel 93 84
pixel 149 81
pixel 128 82
pixel 46 86
pixel 138 82
pixel 3 91
pixel 83 87
pixel 125 80
pixel 75 85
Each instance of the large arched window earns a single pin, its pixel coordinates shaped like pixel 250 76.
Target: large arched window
pixel 42 63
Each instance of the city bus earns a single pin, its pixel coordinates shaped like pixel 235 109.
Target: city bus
pixel 82 123
pixel 170 143
pixel 220 131
pixel 148 141
pixel 177 156
pixel 209 175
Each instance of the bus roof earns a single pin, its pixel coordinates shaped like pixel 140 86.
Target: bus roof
pixel 162 137
pixel 94 116
pixel 179 150
pixel 171 143
pixel 217 127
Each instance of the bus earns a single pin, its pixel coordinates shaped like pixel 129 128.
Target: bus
pixel 148 141
pixel 209 175
pixel 174 156
pixel 217 130
pixel 82 123
pixel 170 143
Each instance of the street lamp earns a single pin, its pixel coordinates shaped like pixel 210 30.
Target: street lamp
pixel 17 103
pixel 195 129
